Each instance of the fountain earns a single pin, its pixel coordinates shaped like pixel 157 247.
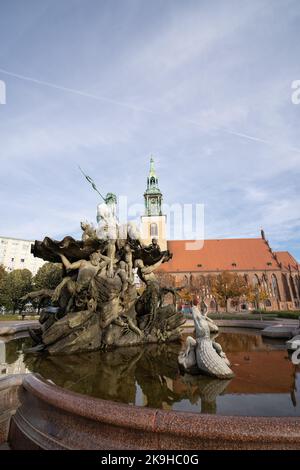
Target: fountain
pixel 97 304
pixel 132 386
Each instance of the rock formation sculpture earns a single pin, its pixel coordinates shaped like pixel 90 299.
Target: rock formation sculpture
pixel 97 305
pixel 203 355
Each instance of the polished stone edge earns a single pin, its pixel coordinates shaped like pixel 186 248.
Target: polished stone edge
pixel 11 380
pixel 255 324
pixel 10 330
pixel 269 329
pixel 9 402
pixel 51 417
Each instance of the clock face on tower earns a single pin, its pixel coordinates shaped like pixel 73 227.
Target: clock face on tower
pixel 153 207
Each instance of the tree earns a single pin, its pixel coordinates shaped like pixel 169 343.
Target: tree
pixel 165 279
pixel 227 286
pixel 14 285
pixel 3 275
pixel 256 295
pixel 48 276
pixel 185 295
pixel 198 285
pixel 2 272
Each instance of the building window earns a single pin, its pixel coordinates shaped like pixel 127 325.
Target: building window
pixel 297 279
pixel 13 259
pixel 286 288
pixel 153 230
pixel 22 260
pixel 275 287
pixel 264 282
pixel 268 303
pixel 293 287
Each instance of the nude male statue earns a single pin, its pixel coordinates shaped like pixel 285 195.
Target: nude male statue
pixel 88 231
pixel 87 270
pixel 122 273
pixel 108 227
pixel 145 273
pixel 152 294
pixel 129 263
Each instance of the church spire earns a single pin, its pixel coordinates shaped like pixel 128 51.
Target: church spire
pixel 154 222
pixel 153 196
pixel 152 180
pixel 152 168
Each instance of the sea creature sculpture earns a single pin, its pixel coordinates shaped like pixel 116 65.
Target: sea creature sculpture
pixel 203 355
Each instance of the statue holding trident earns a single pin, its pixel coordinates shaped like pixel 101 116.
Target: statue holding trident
pixel 108 226
pixel 97 304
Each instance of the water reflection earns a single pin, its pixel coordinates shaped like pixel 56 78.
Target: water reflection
pixel 265 382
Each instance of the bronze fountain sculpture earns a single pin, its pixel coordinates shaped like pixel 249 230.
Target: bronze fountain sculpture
pixel 97 305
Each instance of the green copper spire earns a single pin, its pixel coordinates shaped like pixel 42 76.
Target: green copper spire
pixel 152 168
pixel 152 195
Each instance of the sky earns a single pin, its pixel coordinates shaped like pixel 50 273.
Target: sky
pixel 203 86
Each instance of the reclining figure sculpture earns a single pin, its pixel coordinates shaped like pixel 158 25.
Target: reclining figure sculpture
pixel 97 304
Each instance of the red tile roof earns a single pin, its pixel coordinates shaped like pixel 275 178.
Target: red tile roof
pixel 221 255
pixel 286 259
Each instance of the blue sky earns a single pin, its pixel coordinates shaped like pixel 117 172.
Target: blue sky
pixel 204 86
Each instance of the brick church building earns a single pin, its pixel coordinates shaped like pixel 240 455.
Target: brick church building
pixel 277 272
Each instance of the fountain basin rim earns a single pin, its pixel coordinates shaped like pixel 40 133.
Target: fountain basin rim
pixel 157 420
pixel 50 417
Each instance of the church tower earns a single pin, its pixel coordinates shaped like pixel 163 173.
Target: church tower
pixel 153 222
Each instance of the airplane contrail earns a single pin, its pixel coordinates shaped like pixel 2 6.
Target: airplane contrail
pixel 138 108
pixel 77 92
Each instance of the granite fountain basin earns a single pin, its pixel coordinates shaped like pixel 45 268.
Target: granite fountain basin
pixel 136 398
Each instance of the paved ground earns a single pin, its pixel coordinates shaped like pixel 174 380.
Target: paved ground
pixel 16 322
pixel 280 321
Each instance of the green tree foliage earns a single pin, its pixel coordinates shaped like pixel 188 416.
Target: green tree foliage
pixel 3 275
pixel 48 276
pixel 2 272
pixel 13 286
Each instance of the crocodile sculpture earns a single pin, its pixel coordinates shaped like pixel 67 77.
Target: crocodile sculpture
pixel 203 355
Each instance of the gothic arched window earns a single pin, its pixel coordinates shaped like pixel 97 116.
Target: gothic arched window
pixel 264 282
pixel 275 287
pixel 287 291
pixel 255 280
pixel 293 287
pixel 153 230
pixel 297 279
